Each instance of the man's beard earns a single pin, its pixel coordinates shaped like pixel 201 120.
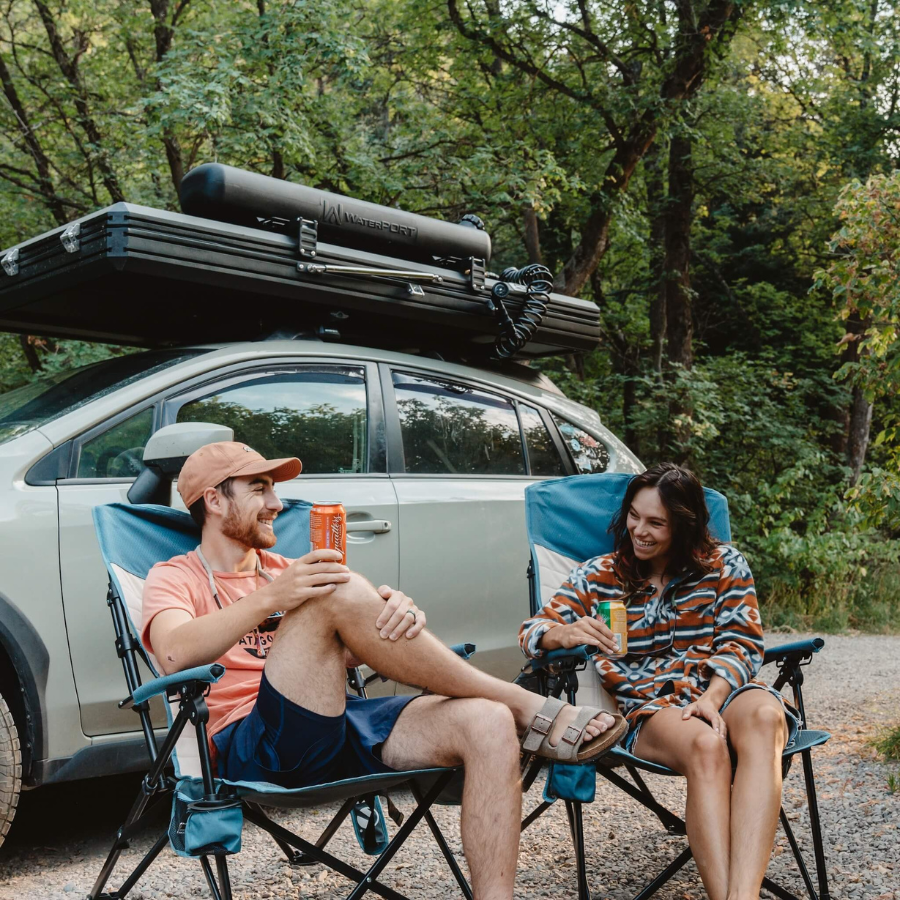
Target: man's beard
pixel 249 533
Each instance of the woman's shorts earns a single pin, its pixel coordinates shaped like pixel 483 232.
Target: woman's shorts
pixel 285 744
pixel 791 717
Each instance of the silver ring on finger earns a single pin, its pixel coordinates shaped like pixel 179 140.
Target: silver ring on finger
pixel 411 612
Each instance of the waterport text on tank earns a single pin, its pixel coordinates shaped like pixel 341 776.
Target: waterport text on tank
pixel 336 215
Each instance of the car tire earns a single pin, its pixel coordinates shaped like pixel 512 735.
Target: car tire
pixel 10 769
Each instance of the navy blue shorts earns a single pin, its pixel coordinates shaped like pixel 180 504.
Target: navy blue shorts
pixel 285 744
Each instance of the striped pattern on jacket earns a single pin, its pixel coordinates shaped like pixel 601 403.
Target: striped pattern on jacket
pixel 699 626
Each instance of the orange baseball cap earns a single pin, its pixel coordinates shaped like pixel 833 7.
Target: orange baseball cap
pixel 211 465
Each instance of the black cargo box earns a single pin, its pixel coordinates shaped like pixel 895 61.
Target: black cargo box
pixel 147 277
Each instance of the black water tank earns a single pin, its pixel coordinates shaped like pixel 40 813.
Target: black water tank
pixel 226 194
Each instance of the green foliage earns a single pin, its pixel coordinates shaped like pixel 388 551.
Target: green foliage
pixel 553 121
pixel 888 744
pixel 864 278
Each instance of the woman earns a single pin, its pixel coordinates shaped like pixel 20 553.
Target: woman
pixel 686 687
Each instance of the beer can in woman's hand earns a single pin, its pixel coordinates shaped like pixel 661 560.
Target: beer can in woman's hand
pixel 328 528
pixel 615 616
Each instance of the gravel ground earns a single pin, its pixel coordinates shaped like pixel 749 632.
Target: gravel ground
pixel 61 834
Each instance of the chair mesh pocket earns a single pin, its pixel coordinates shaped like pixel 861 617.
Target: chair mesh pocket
pixel 199 826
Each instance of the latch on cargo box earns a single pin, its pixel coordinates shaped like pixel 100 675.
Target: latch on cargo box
pixel 10 262
pixel 307 236
pixel 71 238
pixel 476 273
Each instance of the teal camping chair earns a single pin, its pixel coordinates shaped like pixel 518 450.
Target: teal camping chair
pixel 208 812
pixel 567 521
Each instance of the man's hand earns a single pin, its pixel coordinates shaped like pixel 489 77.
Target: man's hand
pixel 400 615
pixel 586 630
pixel 315 575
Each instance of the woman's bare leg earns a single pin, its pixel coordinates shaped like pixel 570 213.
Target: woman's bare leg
pixel 692 748
pixel 758 732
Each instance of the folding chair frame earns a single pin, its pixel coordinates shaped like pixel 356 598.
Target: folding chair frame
pixel 158 786
pixel 790 660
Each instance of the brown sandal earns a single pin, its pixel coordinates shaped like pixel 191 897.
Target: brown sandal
pixel 572 747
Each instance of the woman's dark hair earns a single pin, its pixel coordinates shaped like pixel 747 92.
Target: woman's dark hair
pixel 682 496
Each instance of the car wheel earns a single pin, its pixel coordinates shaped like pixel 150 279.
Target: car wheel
pixel 10 769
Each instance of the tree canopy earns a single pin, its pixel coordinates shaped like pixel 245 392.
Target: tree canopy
pixel 683 163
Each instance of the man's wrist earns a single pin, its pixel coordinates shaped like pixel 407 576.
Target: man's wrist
pixel 267 600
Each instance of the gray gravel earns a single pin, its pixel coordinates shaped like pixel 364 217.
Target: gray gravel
pixel 853 689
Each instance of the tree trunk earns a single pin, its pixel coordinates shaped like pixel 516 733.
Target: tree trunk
pixel 682 83
pixel 26 341
pixel 677 283
pixel 532 235
pixel 859 417
pixel 677 276
pixel 632 138
pixel 656 214
pixel 163 33
pixel 69 68
pixel 44 180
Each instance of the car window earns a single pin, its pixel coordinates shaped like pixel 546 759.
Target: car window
pixel 318 415
pixel 26 408
pixel 542 452
pixel 589 454
pixel 449 428
pixel 117 453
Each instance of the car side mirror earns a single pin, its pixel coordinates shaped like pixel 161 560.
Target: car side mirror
pixel 165 454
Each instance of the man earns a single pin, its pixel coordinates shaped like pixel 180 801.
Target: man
pixel 281 712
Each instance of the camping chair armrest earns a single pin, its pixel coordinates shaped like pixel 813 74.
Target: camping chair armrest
pixel 584 653
pixel 796 651
pixel 203 674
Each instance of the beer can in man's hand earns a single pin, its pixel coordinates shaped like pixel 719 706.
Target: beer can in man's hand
pixel 328 528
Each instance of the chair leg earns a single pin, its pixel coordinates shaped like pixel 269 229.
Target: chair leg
pixel 815 826
pixel 444 847
pixel 121 842
pixel 536 813
pixel 665 875
pixel 798 856
pixel 576 826
pixel 211 880
pixel 402 834
pixel 143 865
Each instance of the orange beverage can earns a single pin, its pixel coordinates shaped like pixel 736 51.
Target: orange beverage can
pixel 328 528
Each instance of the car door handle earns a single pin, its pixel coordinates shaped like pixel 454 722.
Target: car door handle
pixel 378 526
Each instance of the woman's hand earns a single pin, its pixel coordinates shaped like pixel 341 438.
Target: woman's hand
pixel 707 709
pixel 587 630
pixel 400 615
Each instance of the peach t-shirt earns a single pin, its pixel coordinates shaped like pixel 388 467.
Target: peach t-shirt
pixel 182 583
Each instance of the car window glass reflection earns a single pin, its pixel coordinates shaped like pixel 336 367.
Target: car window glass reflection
pixel 449 428
pixel 318 416
pixel 119 451
pixel 588 454
pixel 542 454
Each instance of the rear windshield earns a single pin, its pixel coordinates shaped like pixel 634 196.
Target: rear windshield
pixel 32 405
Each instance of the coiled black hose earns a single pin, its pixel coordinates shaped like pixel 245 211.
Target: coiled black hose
pixel 516 333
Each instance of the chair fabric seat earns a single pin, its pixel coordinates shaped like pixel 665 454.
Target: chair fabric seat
pixel 331 792
pixel 618 757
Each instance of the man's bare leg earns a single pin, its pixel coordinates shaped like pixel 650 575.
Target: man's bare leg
pixel 479 734
pixel 758 733
pixel 306 661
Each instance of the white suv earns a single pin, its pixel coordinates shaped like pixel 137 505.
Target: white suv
pixel 430 459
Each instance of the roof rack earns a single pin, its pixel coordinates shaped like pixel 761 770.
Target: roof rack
pixel 251 257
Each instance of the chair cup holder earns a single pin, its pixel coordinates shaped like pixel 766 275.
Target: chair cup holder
pixel 201 825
